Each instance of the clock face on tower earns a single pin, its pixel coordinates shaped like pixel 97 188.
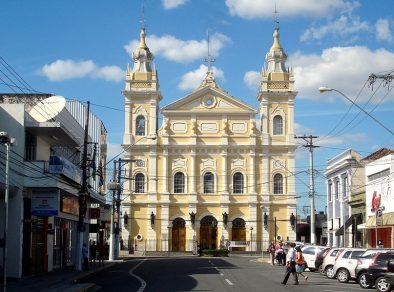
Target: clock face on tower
pixel 208 101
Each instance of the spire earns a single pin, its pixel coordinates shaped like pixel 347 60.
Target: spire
pixel 276 57
pixel 142 56
pixel 209 79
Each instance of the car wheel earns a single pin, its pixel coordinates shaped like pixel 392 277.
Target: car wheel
pixel 330 272
pixel 343 276
pixel 321 270
pixel 362 280
pixel 312 269
pixel 382 285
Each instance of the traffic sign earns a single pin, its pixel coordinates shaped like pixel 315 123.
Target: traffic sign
pixel 379 216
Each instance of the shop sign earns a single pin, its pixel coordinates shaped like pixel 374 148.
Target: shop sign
pixel 45 204
pixel 61 165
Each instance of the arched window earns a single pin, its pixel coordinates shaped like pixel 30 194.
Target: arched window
pixel 278 184
pixel 278 125
pixel 140 126
pixel 238 183
pixel 179 182
pixel 139 183
pixel 209 182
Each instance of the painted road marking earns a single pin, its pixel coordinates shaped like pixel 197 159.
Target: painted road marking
pixel 229 282
pixel 143 283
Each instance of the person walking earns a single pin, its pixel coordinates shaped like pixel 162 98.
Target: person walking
pixel 85 257
pixel 101 253
pixel 93 252
pixel 290 268
pixel 300 263
pixel 271 250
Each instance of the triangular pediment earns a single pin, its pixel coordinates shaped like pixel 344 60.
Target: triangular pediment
pixel 209 100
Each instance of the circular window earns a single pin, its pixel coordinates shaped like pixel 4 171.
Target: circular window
pixel 209 101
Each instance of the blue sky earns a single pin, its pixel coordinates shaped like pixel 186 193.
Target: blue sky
pixel 79 49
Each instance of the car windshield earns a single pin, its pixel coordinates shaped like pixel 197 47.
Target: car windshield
pixel 368 256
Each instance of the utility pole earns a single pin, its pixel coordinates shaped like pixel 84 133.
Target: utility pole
pixel 309 144
pixel 112 186
pixel 118 201
pixel 83 194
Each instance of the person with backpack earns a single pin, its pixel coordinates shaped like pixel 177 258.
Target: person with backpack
pixel 300 263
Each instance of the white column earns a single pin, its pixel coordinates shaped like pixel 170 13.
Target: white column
pixel 127 125
pixel 252 224
pixel 341 210
pixel 251 180
pixel 165 171
pixel 193 172
pixel 152 117
pixel 265 228
pixel 165 222
pixel 151 238
pixel 152 183
pixel 224 174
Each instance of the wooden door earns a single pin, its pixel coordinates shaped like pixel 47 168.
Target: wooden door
pixel 208 237
pixel 39 258
pixel 178 239
pixel 238 234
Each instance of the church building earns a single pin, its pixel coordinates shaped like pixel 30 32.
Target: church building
pixel 211 174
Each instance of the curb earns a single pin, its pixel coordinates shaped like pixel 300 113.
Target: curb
pixel 89 273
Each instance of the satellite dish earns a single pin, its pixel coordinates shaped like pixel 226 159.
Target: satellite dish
pixel 48 108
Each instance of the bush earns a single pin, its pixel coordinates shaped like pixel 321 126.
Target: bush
pixel 213 252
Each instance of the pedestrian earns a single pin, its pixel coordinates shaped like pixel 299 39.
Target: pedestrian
pixel 85 257
pixel 101 253
pixel 271 250
pixel 300 263
pixel 93 252
pixel 106 250
pixel 290 264
pixel 279 254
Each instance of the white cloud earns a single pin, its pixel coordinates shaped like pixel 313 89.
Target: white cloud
pixel 346 139
pixel 342 27
pixel 113 150
pixel 193 79
pixel 302 130
pixel 67 69
pixel 61 70
pixel 252 79
pixel 182 51
pixel 342 68
pixel 383 32
pixel 252 9
pixel 109 73
pixel 171 4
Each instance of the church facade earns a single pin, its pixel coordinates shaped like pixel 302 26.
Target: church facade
pixel 211 174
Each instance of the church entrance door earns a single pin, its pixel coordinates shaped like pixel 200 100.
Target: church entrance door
pixel 238 233
pixel 178 235
pixel 208 232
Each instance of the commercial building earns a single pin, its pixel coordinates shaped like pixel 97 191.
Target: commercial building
pixel 211 174
pixel 379 176
pixel 45 179
pixel 345 199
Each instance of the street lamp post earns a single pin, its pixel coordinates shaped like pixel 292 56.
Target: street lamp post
pixel 323 89
pixel 251 240
pixel 7 141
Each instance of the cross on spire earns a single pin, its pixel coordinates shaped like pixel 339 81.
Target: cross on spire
pixel 276 21
pixel 142 21
pixel 209 59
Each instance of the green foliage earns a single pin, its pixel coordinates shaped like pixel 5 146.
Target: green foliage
pixel 213 252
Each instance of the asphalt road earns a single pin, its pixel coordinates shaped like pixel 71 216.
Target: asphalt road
pixel 235 273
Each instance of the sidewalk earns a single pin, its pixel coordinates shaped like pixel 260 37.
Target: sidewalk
pixel 59 280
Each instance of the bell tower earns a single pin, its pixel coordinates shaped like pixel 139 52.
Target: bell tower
pixel 276 97
pixel 142 96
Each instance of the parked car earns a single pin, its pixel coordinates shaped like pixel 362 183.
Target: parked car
pixel 310 253
pixel 363 263
pixel 319 259
pixel 376 271
pixel 345 264
pixel 390 273
pixel 329 261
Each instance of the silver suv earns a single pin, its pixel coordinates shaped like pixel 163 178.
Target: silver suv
pixel 345 264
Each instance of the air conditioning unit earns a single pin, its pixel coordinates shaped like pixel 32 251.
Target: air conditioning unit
pixel 279 237
pixel 139 237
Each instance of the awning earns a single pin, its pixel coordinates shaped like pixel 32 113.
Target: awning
pixel 387 219
pixel 354 218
